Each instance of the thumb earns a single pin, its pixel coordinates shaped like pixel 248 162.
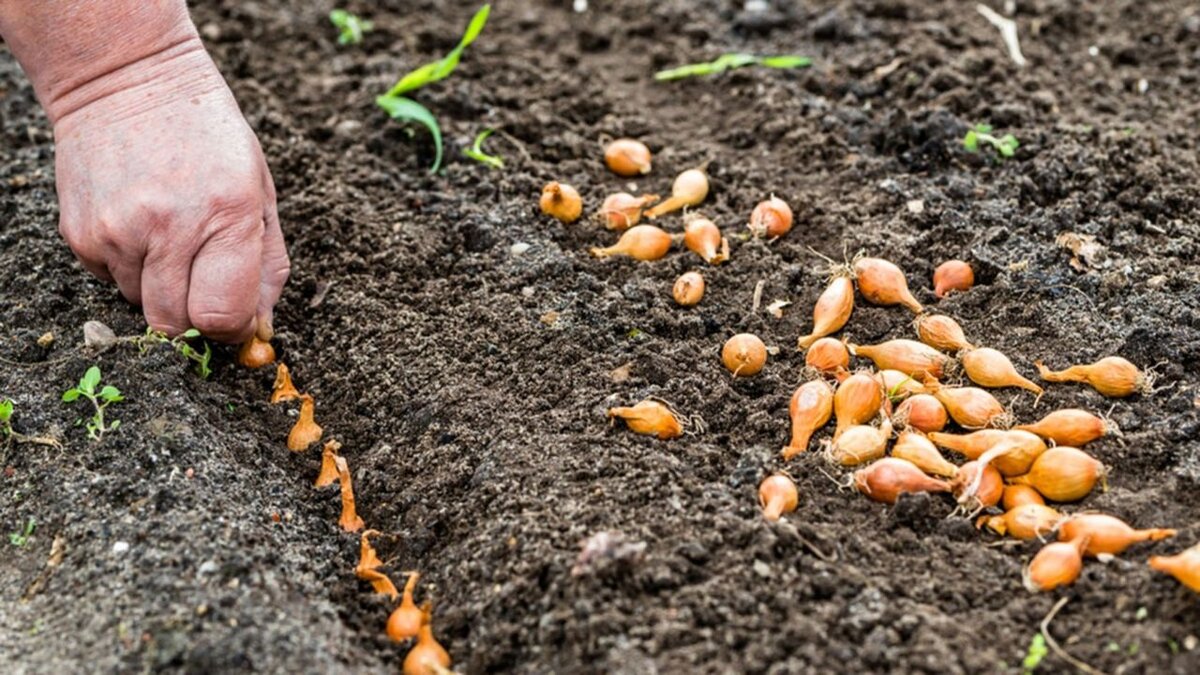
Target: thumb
pixel 276 267
pixel 223 293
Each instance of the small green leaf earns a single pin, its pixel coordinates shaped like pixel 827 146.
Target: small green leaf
pixel 476 152
pixel 791 61
pixel 350 26
pixel 90 379
pixel 971 141
pixel 1036 652
pixel 6 410
pixel 730 62
pixel 190 334
pixel 71 395
pixel 112 426
pixel 111 394
pixel 440 69
pixel 983 128
pixel 407 110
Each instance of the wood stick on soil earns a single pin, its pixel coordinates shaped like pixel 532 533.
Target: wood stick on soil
pixel 1008 33
pixel 1059 650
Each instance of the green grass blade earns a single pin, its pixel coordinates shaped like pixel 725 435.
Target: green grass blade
pixel 407 110
pixel 788 61
pixel 730 62
pixel 440 69
pixel 476 152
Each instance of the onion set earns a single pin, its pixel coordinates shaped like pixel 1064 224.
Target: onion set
pixel 255 353
pixel 702 237
pixel 369 564
pixel 744 355
pixel 832 310
pixel 427 657
pixel 641 242
pixel 329 472
pixel 650 418
pixel 1064 474
pixel 561 201
pixel 858 400
pixel 1112 376
pixel 688 289
pixel 627 157
pixel 990 368
pixel 941 332
pixel 771 218
pixel 404 623
pixel 306 431
pixel 810 408
pixel 971 407
pixel 1018 495
pixel 952 275
pixel 907 356
pixel 1057 564
pixel 827 356
pixel 1072 427
pixel 921 412
pixel 689 189
pixel 1185 566
pixel 1107 534
pixel 283 390
pixel 622 210
pixel 778 495
pixel 883 283
pixel 886 479
pixel 349 520
pixel 1027 521
pixel 920 451
pixel 860 444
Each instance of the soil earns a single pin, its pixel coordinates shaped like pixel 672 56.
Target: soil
pixel 468 380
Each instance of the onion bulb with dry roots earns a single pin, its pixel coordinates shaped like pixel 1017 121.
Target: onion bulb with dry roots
pixel 744 355
pixel 1021 448
pixel 627 157
pixel 832 310
pixel 1072 427
pixel 907 356
pixel 1027 521
pixel 810 408
pixel 1112 376
pixel 988 367
pixel 641 242
pixel 952 275
pixel 858 400
pixel 860 444
pixel 405 621
pixel 898 386
pixel 255 353
pixel 777 495
pixel 1056 564
pixel 622 210
pixel 369 564
pixel 689 189
pixel 329 472
pixel 427 657
pixel 650 418
pixel 703 237
pixel 306 431
pixel 1064 474
pixel 1107 534
pixel 1019 495
pixel 1185 566
pixel 827 356
pixel 349 520
pixel 883 283
pixel 940 331
pixel 688 289
pixel 283 390
pixel 978 485
pixel 920 451
pixel 561 201
pixel 886 479
pixel 971 407
pixel 771 218
pixel 970 445
pixel 921 412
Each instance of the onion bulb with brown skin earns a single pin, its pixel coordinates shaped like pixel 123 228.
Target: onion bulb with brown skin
pixel 561 201
pixel 427 657
pixel 306 431
pixel 907 356
pixel 810 408
pixel 988 367
pixel 1107 534
pixel 650 418
pixel 329 473
pixel 883 283
pixel 349 520
pixel 1185 566
pixel 777 495
pixel 627 157
pixel 917 449
pixel 622 210
pixel 832 310
pixel 369 564
pixel 1112 376
pixel 771 218
pixel 1027 521
pixel 860 444
pixel 970 445
pixel 1071 426
pixel 689 189
pixel 1021 447
pixel 283 390
pixel 688 289
pixel 1019 495
pixel 978 485
pixel 886 479
pixel 971 407
pixel 941 332
pixel 827 356
pixel 405 621
pixel 898 386
pixel 952 275
pixel 921 412
pixel 1064 474
pixel 858 400
pixel 1056 564
pixel 703 237
pixel 255 353
pixel 641 242
pixel 744 355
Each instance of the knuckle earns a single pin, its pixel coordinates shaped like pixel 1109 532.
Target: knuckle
pixel 220 322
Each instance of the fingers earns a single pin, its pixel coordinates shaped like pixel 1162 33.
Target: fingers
pixel 224 285
pixel 165 279
pixel 275 266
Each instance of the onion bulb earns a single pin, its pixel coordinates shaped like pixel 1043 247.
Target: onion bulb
pixel 283 390
pixel 858 400
pixel 688 289
pixel 940 331
pixel 689 189
pixel 771 218
pixel 952 275
pixel 1107 534
pixel 971 407
pixel 329 473
pixel 627 157
pixel 427 656
pixel 650 418
pixel 622 210
pixel 1019 495
pixel 703 237
pixel 1071 426
pixel 349 520
pixel 978 484
pixel 255 353
pixel 832 310
pixel 990 368
pixel 970 445
pixel 561 201
pixel 641 242
pixel 907 356
pixel 744 355
pixel 917 449
pixel 1027 521
pixel 860 444
pixel 1064 474
pixel 898 385
pixel 777 494
pixel 827 356
pixel 306 431
pixel 404 623
pixel 369 564
pixel 886 479
pixel 1021 448
pixel 1184 566
pixel 883 283
pixel 1112 376
pixel 810 408
pixel 921 412
pixel 1057 564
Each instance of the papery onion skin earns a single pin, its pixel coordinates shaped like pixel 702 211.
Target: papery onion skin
pixel 627 157
pixel 941 332
pixel 1071 426
pixel 771 218
pixel 1064 474
pixel 1112 376
pixel 860 444
pixel 622 210
pixel 744 355
pixel 1027 521
pixel 688 289
pixel 991 368
pixel 921 412
pixel 1056 564
pixel 858 400
pixel 1185 566
pixel 650 418
pixel 777 495
pixel 561 201
pixel 641 242
pixel 306 431
pixel 827 355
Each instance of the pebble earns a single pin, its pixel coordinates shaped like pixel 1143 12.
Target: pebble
pixel 520 248
pixel 120 547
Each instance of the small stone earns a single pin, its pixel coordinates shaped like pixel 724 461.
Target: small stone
pixel 207 567
pixel 120 547
pixel 915 206
pixel 45 340
pixel 762 569
pixel 519 248
pixel 97 335
pixel 347 128
pixel 211 31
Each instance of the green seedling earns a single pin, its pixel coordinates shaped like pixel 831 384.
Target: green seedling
pixel 21 537
pixel 350 27
pixel 732 61
pixel 6 412
pixel 181 345
pixel 476 152
pixel 100 400
pixel 1005 145
pixel 8 434
pixel 404 109
pixel 1036 652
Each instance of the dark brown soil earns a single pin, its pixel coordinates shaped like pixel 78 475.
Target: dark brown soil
pixel 474 419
